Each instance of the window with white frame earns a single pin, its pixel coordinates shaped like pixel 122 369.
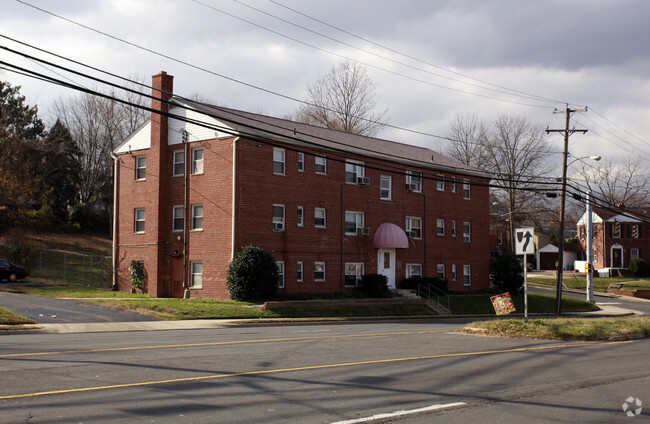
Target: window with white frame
pixel 280 265
pixel 179 163
pixel 385 183
pixel 319 218
pixel 353 221
pixel 299 271
pixel 278 161
pixel 197 161
pixel 414 181
pixel 319 271
pixel 197 217
pixel 301 216
pixel 353 273
pixel 140 167
pixel 634 253
pixel 278 217
pixel 413 270
pixel 453 272
pixel 354 170
pixel 453 228
pixel 414 226
pixel 467 275
pixel 467 232
pixel 178 221
pixel 440 271
pixel 139 220
pixel 453 184
pixel 320 164
pixel 440 227
pixel 301 162
pixel 196 279
pixel 467 194
pixel 440 182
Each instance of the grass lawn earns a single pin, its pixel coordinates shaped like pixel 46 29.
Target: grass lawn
pixel 9 318
pixel 537 303
pixel 578 282
pixel 565 328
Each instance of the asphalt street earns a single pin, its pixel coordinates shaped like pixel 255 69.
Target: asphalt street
pixel 409 372
pixel 46 310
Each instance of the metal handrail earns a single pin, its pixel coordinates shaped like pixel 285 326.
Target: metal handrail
pixel 428 290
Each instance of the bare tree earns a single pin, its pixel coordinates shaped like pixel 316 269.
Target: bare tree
pixel 623 181
pixel 98 125
pixel 344 100
pixel 514 150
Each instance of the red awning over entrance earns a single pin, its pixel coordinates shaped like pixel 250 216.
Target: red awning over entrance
pixel 390 236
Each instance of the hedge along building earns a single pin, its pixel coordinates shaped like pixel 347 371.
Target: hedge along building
pixel 196 183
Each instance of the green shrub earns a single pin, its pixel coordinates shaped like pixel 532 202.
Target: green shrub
pixel 374 286
pixel 639 267
pixel 412 283
pixel 253 275
pixel 506 273
pixel 137 274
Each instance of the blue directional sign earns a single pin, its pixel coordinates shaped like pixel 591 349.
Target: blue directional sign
pixel 525 241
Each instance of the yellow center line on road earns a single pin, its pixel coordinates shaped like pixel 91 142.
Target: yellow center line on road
pixel 287 339
pixel 307 368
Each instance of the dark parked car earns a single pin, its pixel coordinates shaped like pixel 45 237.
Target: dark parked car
pixel 11 272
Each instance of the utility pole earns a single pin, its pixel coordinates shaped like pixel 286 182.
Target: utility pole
pixel 560 261
pixel 590 250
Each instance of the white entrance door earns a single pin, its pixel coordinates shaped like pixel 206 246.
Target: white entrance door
pixel 386 265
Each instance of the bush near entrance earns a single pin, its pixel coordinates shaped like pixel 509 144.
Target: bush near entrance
pixel 506 273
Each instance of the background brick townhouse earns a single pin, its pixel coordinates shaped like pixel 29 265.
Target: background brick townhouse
pixel 619 234
pixel 331 206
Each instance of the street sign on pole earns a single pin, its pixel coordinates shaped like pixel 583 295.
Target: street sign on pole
pixel 525 245
pixel 525 241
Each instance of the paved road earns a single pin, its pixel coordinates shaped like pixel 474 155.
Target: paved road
pixel 316 374
pixel 632 303
pixel 45 310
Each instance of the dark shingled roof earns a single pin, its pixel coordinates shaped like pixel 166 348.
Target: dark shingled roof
pixel 305 135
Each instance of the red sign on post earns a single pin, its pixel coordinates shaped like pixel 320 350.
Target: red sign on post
pixel 502 304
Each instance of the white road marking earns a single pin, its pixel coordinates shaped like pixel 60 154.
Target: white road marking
pixel 400 413
pixel 608 303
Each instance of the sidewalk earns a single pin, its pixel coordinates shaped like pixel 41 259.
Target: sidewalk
pixel 606 311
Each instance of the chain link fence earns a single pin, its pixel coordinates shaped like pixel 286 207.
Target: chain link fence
pixel 88 270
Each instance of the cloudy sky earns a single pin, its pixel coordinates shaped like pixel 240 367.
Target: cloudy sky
pixel 431 60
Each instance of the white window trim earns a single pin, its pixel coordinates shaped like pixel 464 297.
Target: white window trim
pixel 357 279
pixel 358 223
pixel 467 235
pixel 389 179
pixel 301 216
pixel 174 209
pixel 193 275
pixel 359 170
pixel 278 219
pixel 409 225
pixel 438 227
pixel 467 190
pixel 453 184
pixel 195 216
pixel 467 275
pixel 195 161
pixel 283 161
pixel 174 163
pixel 453 272
pixel 324 271
pixel 301 162
pixel 139 168
pixel 324 217
pixel 438 271
pixel 409 180
pixel 324 164
pixel 453 228
pixel 280 265
pixel 136 220
pixel 440 182
pixel 409 270
pixel 300 272
pixel 634 252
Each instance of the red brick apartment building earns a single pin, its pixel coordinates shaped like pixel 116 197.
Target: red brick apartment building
pixel 196 183
pixel 619 234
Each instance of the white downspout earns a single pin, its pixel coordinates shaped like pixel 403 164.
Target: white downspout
pixel 234 196
pixel 115 204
